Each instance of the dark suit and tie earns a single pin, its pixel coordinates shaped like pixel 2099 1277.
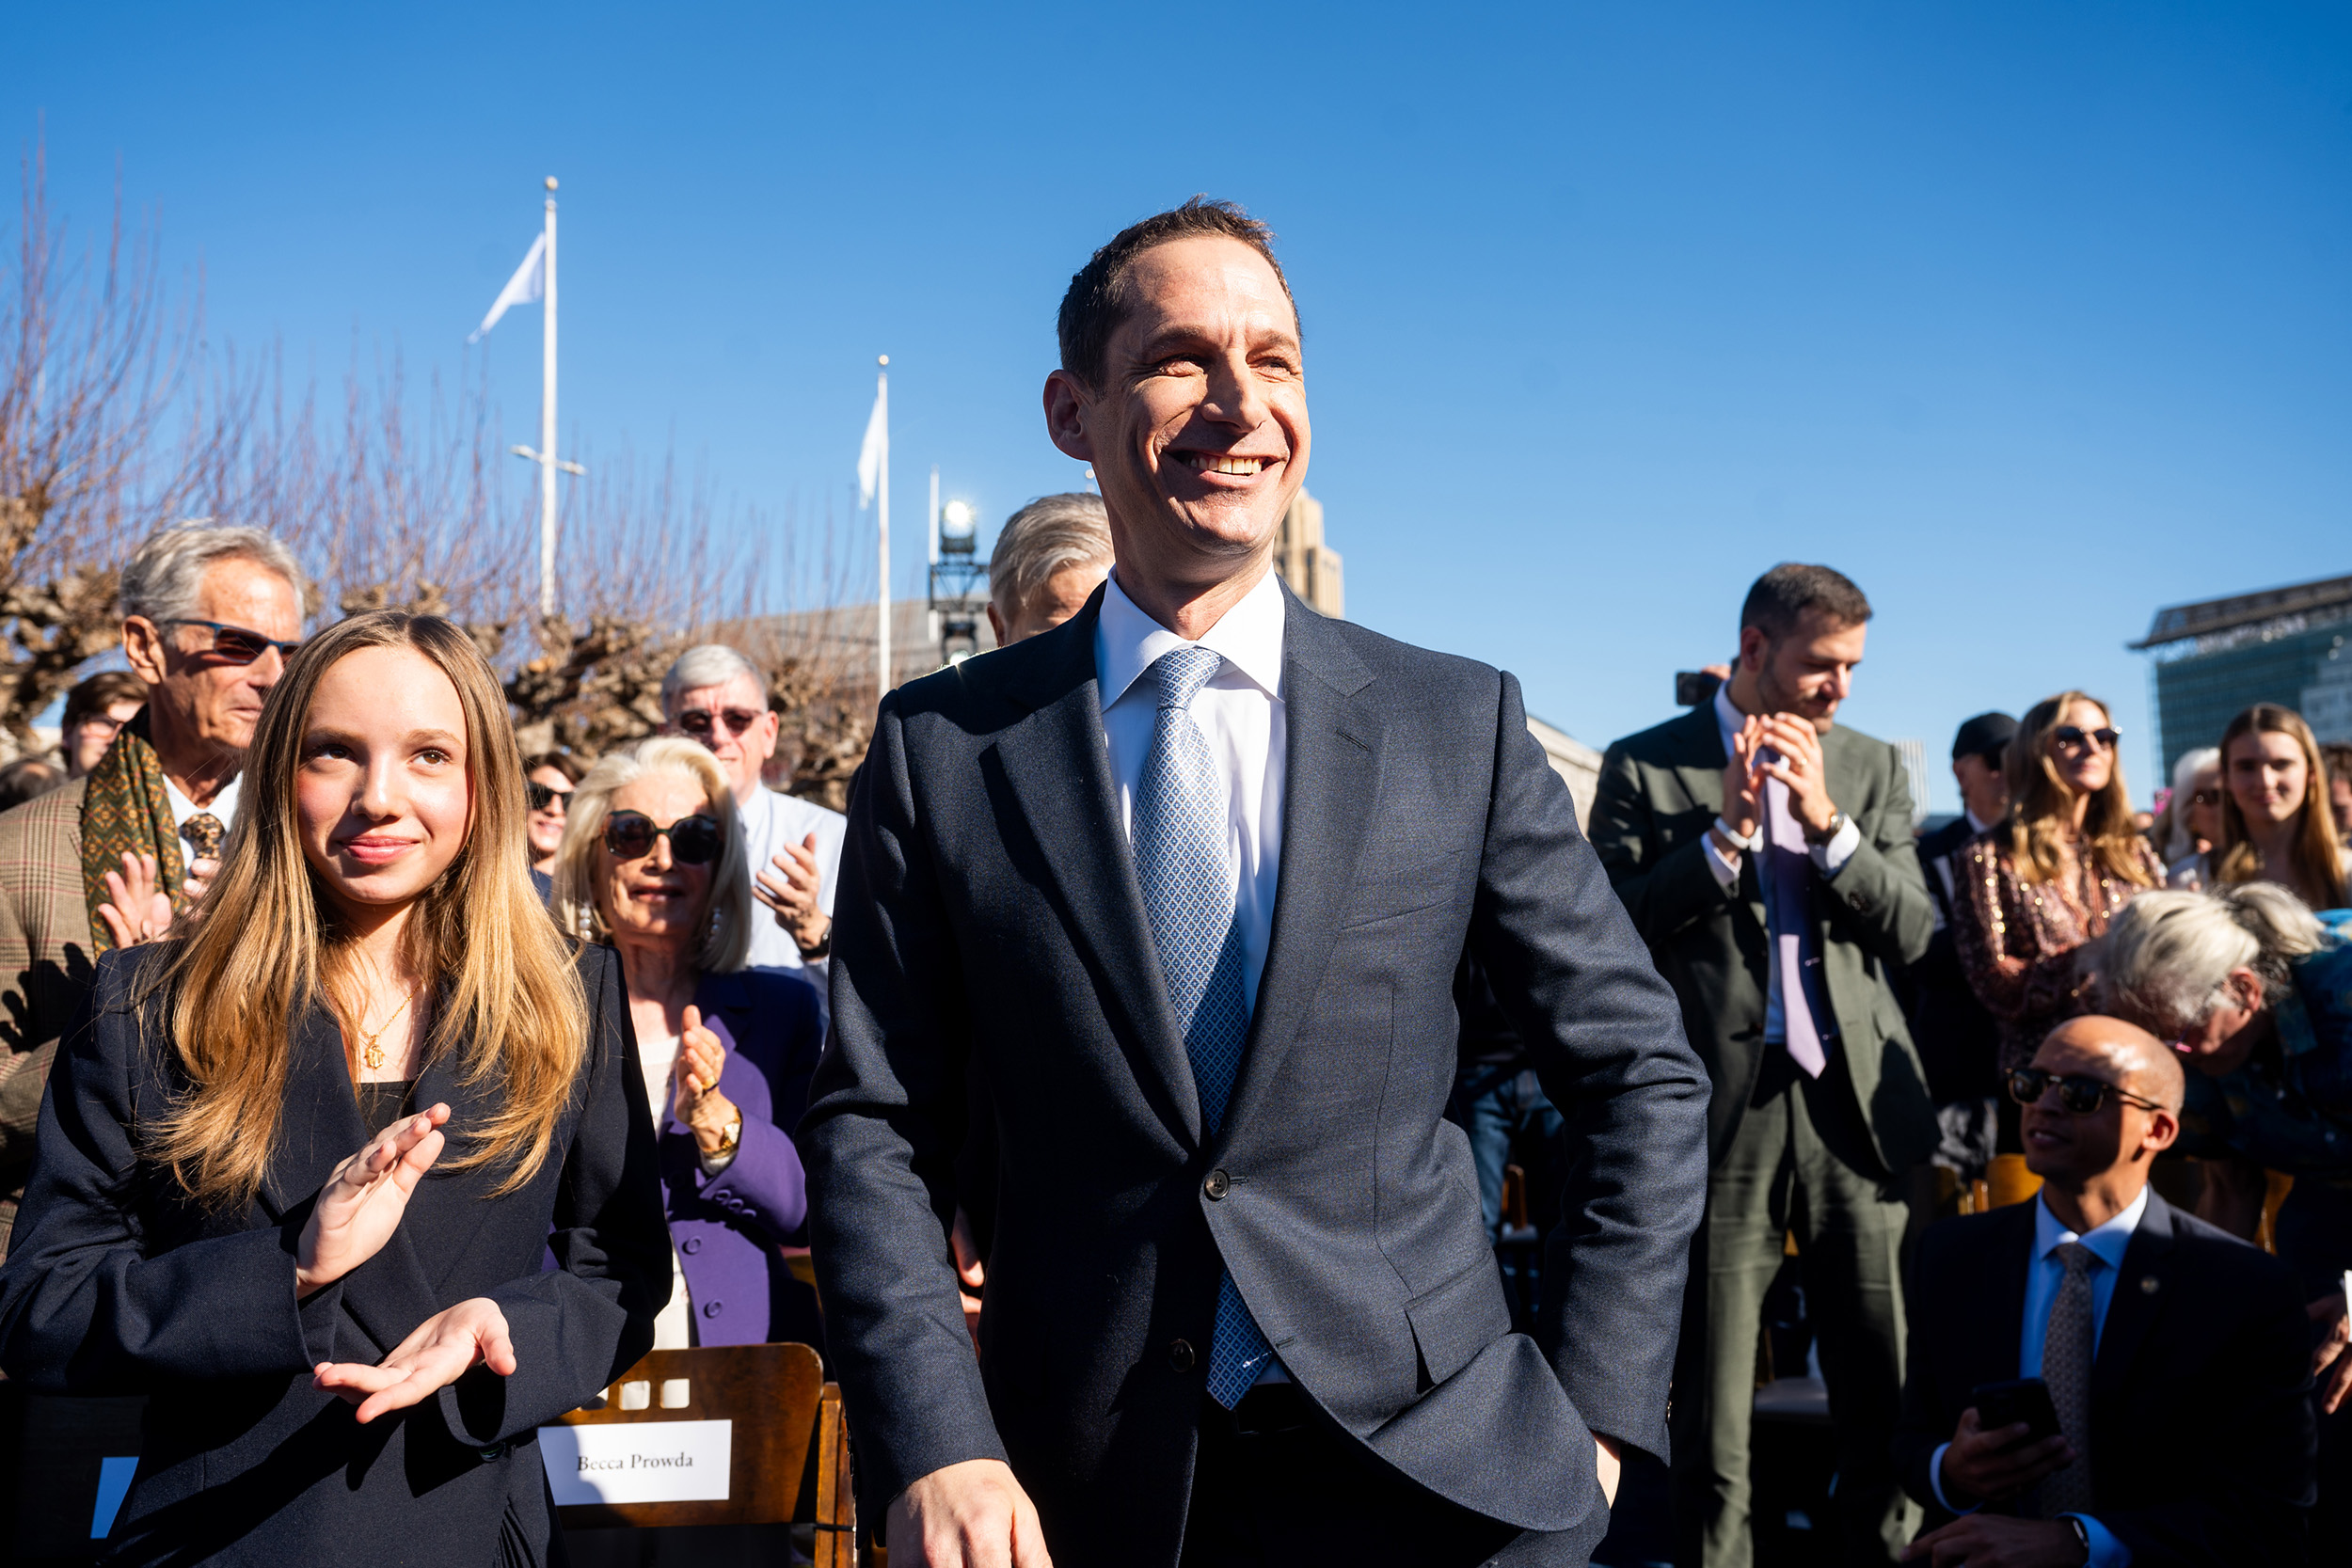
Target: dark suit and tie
pixel 1212 1012
pixel 2177 1357
pixel 1821 1106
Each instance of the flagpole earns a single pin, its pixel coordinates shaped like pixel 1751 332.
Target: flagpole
pixel 881 394
pixel 931 587
pixel 547 426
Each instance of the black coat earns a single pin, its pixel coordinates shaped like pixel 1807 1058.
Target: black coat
pixel 2201 1439
pixel 119 1284
pixel 1959 1041
pixel 991 935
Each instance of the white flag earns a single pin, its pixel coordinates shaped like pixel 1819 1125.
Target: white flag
pixel 529 283
pixel 869 456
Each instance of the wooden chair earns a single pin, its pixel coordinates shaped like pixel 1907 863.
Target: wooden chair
pixel 789 1449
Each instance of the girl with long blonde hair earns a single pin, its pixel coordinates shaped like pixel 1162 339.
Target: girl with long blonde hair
pixel 2277 824
pixel 2047 877
pixel 301 1168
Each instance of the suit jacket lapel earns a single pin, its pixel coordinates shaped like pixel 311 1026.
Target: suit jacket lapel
pixel 2139 1292
pixel 1331 780
pixel 1057 765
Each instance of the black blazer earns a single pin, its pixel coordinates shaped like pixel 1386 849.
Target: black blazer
pixel 991 937
pixel 2201 1435
pixel 119 1285
pixel 1959 1041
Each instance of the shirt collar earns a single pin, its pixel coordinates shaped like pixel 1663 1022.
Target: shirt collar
pixel 1975 826
pixel 1729 720
pixel 2107 1241
pixel 1249 635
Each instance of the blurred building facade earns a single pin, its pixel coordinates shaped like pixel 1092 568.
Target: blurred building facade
pixel 1311 566
pixel 2215 658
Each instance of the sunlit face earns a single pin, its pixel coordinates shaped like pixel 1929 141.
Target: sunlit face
pixel 735 723
pixel 2268 777
pixel 2204 806
pixel 1807 672
pixel 384 796
pixel 2059 1143
pixel 208 700
pixel 2086 765
pixel 1199 436
pixel 546 825
pixel 652 899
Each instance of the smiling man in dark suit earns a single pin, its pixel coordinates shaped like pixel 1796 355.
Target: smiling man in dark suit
pixel 1765 852
pixel 1181 887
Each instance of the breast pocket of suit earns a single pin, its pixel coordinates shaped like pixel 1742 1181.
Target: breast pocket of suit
pixel 1424 882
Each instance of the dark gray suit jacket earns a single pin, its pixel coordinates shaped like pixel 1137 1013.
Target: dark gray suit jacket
pixel 990 938
pixel 1659 792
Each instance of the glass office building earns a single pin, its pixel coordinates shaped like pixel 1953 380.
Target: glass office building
pixel 2287 645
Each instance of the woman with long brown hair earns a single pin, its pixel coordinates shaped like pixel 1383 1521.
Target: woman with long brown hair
pixel 2048 877
pixel 300 1169
pixel 2277 824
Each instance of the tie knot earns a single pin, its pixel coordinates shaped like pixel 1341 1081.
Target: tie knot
pixel 1180 672
pixel 2077 1259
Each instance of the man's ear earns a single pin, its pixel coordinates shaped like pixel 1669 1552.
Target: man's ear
pixel 1753 647
pixel 1066 409
pixel 2163 1127
pixel 143 648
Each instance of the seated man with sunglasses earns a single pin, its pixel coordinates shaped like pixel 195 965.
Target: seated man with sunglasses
pixel 792 846
pixel 114 857
pixel 2175 1356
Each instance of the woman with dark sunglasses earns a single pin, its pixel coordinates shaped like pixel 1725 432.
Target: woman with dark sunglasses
pixel 2048 877
pixel 549 780
pixel 652 865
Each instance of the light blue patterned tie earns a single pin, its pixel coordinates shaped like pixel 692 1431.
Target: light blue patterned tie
pixel 1179 836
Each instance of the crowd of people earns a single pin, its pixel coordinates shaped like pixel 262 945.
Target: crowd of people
pixel 1135 1068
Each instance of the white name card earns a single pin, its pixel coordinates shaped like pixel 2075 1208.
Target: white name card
pixel 638 1462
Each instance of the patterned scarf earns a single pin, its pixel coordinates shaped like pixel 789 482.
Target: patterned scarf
pixel 126 812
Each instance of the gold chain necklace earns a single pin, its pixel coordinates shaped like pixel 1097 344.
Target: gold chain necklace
pixel 371 1053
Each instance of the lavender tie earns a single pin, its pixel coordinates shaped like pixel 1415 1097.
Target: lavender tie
pixel 1787 888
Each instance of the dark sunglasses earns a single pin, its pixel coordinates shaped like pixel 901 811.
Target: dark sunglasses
pixel 2078 1093
pixel 2206 797
pixel 700 721
pixel 2074 734
pixel 237 644
pixel 693 840
pixel 545 797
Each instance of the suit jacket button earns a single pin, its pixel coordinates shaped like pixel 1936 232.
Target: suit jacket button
pixel 1217 1185
pixel 1180 1355
pixel 692 1245
pixel 712 1308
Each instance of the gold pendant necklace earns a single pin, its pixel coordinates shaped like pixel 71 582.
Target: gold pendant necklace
pixel 372 1053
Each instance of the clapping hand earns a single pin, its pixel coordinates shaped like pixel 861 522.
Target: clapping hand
pixel 795 896
pixel 2331 1363
pixel 1798 763
pixel 1741 782
pixel 1990 1466
pixel 443 1349
pixel 137 908
pixel 362 1204
pixel 699 1106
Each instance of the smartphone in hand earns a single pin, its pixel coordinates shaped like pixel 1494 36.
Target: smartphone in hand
pixel 2023 1398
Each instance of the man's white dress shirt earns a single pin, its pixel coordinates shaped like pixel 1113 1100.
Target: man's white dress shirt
pixel 224 806
pixel 2107 1242
pixel 1240 711
pixel 1828 859
pixel 770 821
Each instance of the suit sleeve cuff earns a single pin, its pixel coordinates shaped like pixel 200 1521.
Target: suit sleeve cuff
pixel 1935 1481
pixel 2106 1550
pixel 1831 857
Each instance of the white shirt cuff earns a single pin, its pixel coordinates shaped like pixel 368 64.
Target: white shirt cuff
pixel 1935 1481
pixel 1726 867
pixel 1831 857
pixel 2106 1550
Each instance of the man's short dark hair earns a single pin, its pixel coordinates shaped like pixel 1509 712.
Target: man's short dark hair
pixel 1782 595
pixel 1096 302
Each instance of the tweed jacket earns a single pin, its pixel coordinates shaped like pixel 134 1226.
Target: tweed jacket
pixel 47 954
pixel 1658 793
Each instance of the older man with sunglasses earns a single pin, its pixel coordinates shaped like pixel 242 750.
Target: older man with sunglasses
pixel 2175 1357
pixel 111 859
pixel 716 695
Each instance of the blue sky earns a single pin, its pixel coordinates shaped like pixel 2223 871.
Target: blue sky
pixel 2030 317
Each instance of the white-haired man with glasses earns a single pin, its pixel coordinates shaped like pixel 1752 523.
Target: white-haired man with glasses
pixel 2094 1376
pixel 114 857
pixel 716 695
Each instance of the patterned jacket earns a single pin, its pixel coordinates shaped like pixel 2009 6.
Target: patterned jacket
pixel 47 958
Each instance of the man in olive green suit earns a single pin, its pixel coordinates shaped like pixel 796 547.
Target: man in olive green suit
pixel 1766 856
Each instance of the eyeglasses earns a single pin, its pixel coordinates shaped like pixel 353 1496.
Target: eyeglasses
pixel 102 723
pixel 237 644
pixel 2206 797
pixel 701 721
pixel 545 797
pixel 693 840
pixel 2078 1093
pixel 2075 735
